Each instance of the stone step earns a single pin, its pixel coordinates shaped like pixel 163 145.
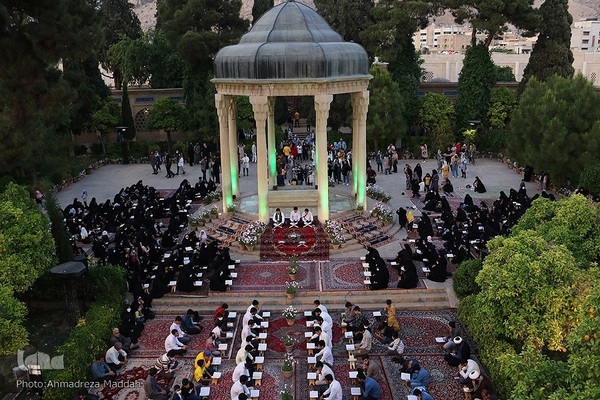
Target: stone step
pixel 413 299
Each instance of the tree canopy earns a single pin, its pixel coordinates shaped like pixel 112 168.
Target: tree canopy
pixel 493 16
pixel 385 120
pixel 475 83
pixel 552 53
pixel 347 17
pixel 534 319
pixel 27 248
pixel 556 127
pixel 437 117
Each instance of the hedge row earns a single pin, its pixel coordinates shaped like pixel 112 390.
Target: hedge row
pixel 90 337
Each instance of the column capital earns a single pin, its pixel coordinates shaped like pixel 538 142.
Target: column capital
pixel 360 101
pixel 260 106
pixel 221 104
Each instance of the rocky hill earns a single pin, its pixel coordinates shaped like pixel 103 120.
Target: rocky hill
pixel 146 10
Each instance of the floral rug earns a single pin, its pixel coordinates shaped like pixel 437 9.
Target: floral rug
pixel 418 331
pixel 366 230
pixel 272 276
pixel 307 243
pixel 348 275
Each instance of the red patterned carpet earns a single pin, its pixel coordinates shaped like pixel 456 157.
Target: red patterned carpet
pixel 264 276
pixel 418 330
pixel 307 243
pixel 348 275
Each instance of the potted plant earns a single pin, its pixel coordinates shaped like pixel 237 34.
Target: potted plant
pixel 293 267
pixel 289 343
pixel 290 314
pixel 288 367
pixel 231 208
pixel 205 215
pixel 291 288
pixel 360 208
pixel 214 212
pixel 286 393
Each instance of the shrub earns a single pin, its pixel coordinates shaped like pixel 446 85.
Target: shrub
pixel 464 278
pixel 96 149
pixel 590 179
pixel 92 333
pixel 80 150
pixel 13 334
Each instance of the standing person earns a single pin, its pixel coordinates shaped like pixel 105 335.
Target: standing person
pixel 463 165
pixel 253 152
pixel 191 154
pixel 158 161
pixel 394 160
pixel 424 152
pixel 246 165
pixel 152 159
pixel 379 161
pixel 435 181
pixel 418 171
pixel 180 164
pixel 408 173
pixel 168 164
pixel 197 153
pixel 454 165
pixel 440 158
pixel 203 165
pixel 216 169
pixel 386 164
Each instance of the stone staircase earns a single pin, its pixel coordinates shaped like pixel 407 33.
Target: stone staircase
pixel 412 299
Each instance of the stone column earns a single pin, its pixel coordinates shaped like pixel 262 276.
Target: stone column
pixel 221 102
pixel 322 105
pixel 233 147
pixel 260 108
pixel 360 106
pixel 271 145
pixel 355 151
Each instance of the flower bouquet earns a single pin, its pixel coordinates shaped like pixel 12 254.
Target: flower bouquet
pixel 292 287
pixel 290 312
pixel 293 267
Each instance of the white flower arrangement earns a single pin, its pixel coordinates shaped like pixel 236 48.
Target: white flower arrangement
pixel 252 233
pixel 290 312
pixel 382 212
pixel 377 193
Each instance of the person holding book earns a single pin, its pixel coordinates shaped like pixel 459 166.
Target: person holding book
pixel 420 378
pixel 278 219
pixel 420 394
pixel 372 389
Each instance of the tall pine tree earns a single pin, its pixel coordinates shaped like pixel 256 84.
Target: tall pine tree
pixel 552 54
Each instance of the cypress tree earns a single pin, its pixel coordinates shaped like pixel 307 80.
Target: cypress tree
pixel 475 83
pixel 552 54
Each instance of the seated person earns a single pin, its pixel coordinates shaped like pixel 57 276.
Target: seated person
pixel 188 325
pixel 422 394
pixel 116 357
pixel 462 351
pixel 307 218
pixel 448 188
pixel 278 219
pixel 419 378
pixel 295 217
pixel 478 186
pixel 408 277
pixel 101 372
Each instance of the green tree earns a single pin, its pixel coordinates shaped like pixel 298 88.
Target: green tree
pixel 590 178
pixel 505 74
pixel 437 117
pixel 26 246
pixel 532 286
pixel 245 116
pixel 493 16
pixel 502 104
pixel 550 124
pixel 168 115
pixel 552 53
pixel 407 72
pixel 105 120
pixel 259 8
pixel 127 116
pixel 475 83
pixel 385 122
pixel 35 37
pixel 198 35
pixel 118 21
pixel 62 239
pixel 13 334
pixel 166 67
pixel 347 17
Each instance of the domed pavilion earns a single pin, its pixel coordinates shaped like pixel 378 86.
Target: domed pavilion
pixel 290 51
